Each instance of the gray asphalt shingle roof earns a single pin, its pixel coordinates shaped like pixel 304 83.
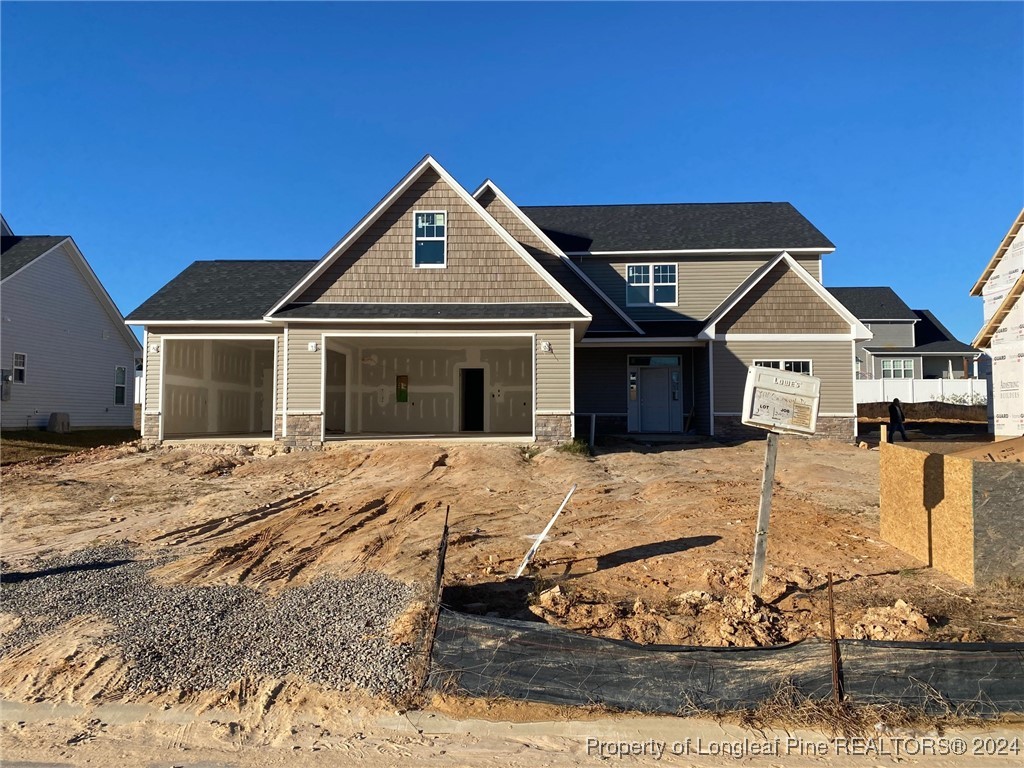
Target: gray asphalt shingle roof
pixel 932 336
pixel 17 251
pixel 676 226
pixel 873 303
pixel 223 290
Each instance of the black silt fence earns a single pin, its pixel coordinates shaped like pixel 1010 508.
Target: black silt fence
pixel 493 657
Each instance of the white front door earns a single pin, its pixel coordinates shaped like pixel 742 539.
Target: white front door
pixel 654 400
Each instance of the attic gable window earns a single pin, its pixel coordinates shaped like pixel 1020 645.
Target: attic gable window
pixel 431 238
pixel 651 284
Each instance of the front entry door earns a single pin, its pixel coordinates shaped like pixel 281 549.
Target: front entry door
pixel 654 400
pixel 472 399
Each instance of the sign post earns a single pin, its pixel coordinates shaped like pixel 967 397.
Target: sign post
pixel 779 401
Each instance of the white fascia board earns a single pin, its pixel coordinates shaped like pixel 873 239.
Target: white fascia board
pixel 427 162
pixel 202 336
pixel 101 293
pixel 710 251
pixel 887 320
pixel 550 245
pixel 1004 246
pixel 858 331
pixel 361 332
pixel 784 337
pixel 263 322
pixel 420 320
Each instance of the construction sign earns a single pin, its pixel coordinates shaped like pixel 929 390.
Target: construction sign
pixel 781 401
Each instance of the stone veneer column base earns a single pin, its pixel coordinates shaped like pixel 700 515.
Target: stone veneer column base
pixel 303 432
pixel 553 428
pixel 827 428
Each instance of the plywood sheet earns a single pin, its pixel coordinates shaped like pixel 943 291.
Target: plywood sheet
pixel 926 508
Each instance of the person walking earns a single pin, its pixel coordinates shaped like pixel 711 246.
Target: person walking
pixel 896 420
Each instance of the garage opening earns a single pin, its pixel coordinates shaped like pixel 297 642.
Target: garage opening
pixel 217 388
pixel 428 386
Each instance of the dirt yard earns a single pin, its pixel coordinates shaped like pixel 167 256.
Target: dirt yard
pixel 655 547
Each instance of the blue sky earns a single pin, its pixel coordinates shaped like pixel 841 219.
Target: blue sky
pixel 158 134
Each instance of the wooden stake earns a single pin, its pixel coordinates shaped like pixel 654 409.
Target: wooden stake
pixel 763 514
pixel 837 693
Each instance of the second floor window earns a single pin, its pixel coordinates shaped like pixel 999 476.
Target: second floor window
pixel 651 284
pixel 431 238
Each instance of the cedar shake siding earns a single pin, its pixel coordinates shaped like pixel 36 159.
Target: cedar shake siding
pixel 704 281
pixel 481 267
pixel 605 320
pixel 781 302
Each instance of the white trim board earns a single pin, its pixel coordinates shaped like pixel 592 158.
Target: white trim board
pixel 364 224
pixel 709 251
pixel 159 323
pixel 857 329
pixel 550 245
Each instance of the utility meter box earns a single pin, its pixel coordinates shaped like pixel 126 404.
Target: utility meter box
pixel 6 377
pixel 781 401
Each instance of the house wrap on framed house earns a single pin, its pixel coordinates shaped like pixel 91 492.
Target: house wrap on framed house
pixel 448 313
pixel 1002 335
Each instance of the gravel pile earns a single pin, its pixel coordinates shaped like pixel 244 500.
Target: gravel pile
pixel 332 632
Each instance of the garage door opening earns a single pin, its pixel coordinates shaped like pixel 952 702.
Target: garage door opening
pixel 218 388
pixel 428 387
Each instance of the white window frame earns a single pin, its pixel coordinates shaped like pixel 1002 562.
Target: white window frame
pixel 23 368
pixel 443 239
pixel 122 386
pixel 651 284
pixel 903 369
pixel 782 363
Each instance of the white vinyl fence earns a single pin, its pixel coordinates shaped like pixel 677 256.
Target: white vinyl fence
pixel 959 391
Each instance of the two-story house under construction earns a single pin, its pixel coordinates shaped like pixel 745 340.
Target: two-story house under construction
pixel 446 313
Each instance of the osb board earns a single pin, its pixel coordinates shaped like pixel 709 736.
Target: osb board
pixel 1011 450
pixel 926 508
pixel 998 501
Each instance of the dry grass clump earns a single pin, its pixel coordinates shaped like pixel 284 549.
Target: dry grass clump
pixel 789 707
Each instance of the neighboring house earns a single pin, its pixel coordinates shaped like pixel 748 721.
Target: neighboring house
pixel 444 313
pixel 1002 335
pixel 906 343
pixel 64 346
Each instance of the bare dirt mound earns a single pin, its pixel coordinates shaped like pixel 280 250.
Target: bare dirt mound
pixel 654 547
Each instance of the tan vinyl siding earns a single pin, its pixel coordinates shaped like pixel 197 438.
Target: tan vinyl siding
pixel 812 264
pixel 781 302
pixel 554 377
pixel 831 361
pixel 304 369
pixel 704 281
pixel 481 266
